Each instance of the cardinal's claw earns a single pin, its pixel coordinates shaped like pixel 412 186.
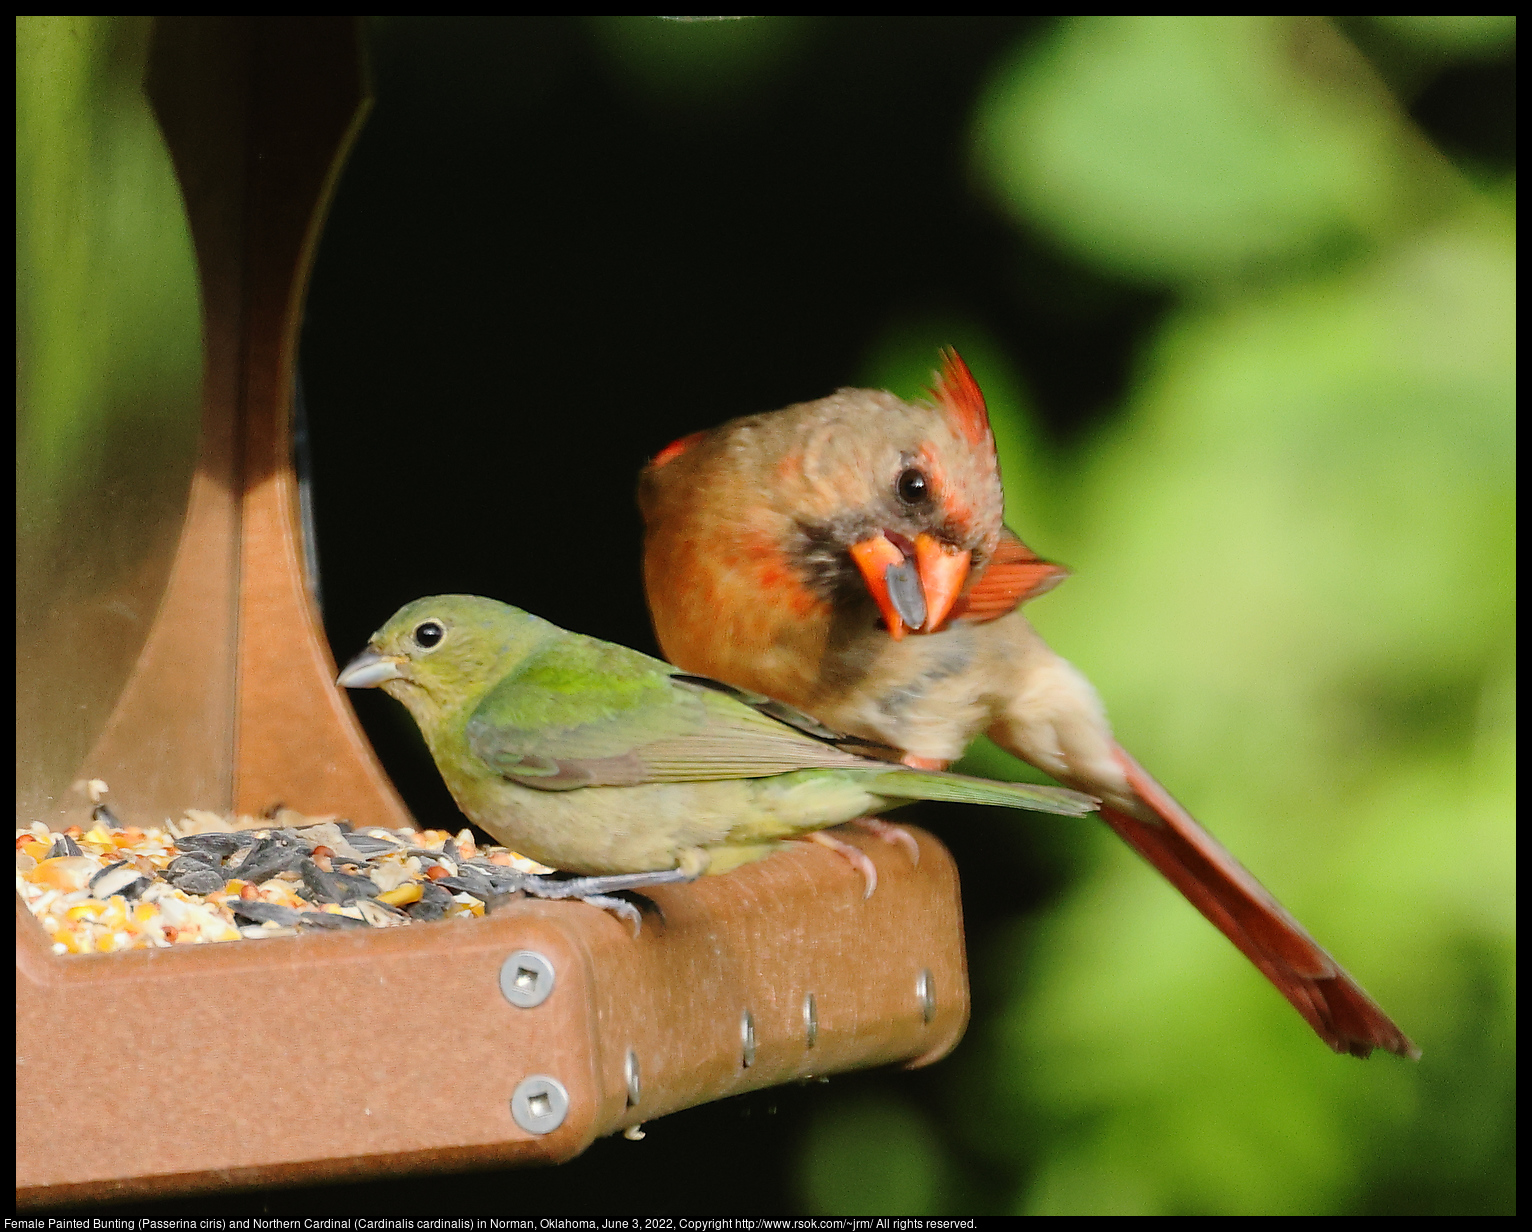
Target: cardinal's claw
pixel 890 833
pixel 858 860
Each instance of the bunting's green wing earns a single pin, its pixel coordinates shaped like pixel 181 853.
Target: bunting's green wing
pixel 584 713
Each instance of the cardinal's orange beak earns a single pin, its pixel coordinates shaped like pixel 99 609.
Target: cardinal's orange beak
pixel 913 594
pixel 943 572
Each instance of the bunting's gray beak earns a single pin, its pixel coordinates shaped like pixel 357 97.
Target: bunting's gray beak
pixel 368 670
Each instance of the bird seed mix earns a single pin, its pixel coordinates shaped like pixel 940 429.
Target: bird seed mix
pixel 210 877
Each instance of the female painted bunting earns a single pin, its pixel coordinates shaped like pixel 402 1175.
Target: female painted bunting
pixel 596 759
pixel 794 553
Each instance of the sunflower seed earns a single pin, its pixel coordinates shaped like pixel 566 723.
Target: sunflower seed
pixel 120 878
pixel 197 879
pixel 216 845
pixel 433 903
pixel 260 913
pixel 327 920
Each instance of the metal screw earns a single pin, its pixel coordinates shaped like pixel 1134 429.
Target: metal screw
pixel 926 991
pixel 810 1020
pixel 747 1038
pixel 635 1082
pixel 526 979
pixel 539 1104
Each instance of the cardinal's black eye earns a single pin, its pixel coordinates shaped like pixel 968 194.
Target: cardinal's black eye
pixel 428 635
pixel 912 486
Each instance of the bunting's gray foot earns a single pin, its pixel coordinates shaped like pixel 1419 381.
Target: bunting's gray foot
pixel 583 887
pixel 598 891
pixel 620 907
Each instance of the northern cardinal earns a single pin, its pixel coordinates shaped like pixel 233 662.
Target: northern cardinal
pixel 597 759
pixel 848 556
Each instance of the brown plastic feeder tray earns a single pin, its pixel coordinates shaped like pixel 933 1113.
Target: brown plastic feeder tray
pixel 570 1027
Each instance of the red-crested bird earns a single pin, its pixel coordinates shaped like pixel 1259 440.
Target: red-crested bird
pixel 848 557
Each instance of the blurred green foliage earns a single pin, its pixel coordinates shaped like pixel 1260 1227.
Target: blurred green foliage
pixel 1294 589
pixel 1453 35
pixel 1199 148
pixel 875 1155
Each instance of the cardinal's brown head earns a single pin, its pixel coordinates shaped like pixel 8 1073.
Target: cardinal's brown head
pixel 825 503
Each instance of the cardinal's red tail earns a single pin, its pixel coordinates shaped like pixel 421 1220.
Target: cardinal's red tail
pixel 1334 1004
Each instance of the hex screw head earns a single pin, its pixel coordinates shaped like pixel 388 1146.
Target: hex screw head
pixel 634 1078
pixel 526 979
pixel 539 1104
pixel 925 989
pixel 747 1038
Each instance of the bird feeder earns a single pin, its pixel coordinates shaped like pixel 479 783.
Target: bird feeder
pixel 223 698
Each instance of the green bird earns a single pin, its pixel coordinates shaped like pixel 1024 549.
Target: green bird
pixel 598 760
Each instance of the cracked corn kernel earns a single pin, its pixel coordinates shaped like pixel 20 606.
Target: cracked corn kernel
pixel 401 896
pixel 67 873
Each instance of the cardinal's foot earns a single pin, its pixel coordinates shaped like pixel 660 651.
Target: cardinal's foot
pixel 890 833
pixel 846 851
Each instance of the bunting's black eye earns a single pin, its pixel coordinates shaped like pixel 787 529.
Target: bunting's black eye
pixel 912 486
pixel 428 635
